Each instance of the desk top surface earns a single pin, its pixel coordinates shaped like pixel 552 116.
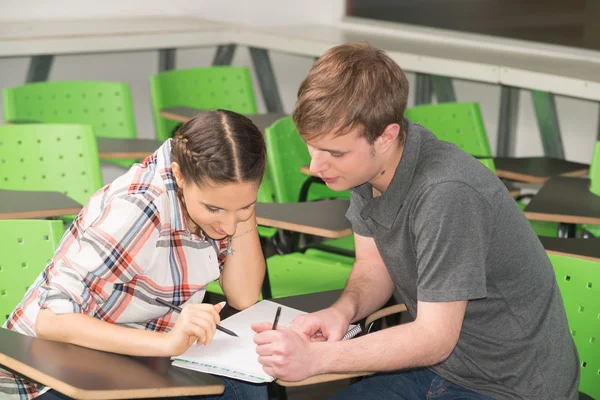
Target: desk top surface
pixel 126 148
pixel 326 218
pixel 16 204
pixel 84 373
pixel 537 169
pixel 566 200
pixel 583 248
pixel 184 114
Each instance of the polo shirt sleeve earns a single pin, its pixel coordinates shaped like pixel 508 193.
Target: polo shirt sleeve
pixel 115 248
pixel 451 223
pixel 359 225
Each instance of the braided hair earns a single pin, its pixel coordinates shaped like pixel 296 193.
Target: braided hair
pixel 219 147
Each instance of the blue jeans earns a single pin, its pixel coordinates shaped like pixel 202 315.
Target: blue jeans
pixel 414 384
pixel 234 390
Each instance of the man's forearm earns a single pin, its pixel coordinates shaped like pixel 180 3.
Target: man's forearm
pixel 404 346
pixel 368 288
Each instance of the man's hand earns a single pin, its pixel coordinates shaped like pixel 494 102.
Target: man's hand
pixel 283 353
pixel 329 324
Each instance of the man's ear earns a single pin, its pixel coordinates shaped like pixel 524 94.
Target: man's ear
pixel 389 138
pixel 177 173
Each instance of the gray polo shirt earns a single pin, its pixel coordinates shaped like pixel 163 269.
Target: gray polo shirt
pixel 448 230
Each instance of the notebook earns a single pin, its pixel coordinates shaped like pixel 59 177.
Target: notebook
pixel 235 357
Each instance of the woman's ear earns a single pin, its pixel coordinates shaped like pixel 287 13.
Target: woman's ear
pixel 177 173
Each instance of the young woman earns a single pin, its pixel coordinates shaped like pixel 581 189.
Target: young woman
pixel 166 228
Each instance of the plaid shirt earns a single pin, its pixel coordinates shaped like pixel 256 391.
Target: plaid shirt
pixel 129 245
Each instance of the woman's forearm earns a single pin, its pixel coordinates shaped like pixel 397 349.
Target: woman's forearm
pixel 244 270
pixel 86 331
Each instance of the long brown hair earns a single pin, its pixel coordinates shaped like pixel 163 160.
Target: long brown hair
pixel 219 147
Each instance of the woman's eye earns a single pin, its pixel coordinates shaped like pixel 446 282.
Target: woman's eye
pixel 212 210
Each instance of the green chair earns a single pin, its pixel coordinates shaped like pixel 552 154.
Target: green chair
pixel 27 246
pixel 223 87
pixel 50 157
pixel 302 273
pixel 106 106
pixel 579 283
pixel 459 123
pixel 287 153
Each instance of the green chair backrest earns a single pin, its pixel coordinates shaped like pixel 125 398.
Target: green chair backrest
pixel 106 106
pixel 459 123
pixel 50 157
pixel 27 246
pixel 579 283
pixel 228 88
pixel 595 171
pixel 286 154
pixel 266 194
pixel 489 162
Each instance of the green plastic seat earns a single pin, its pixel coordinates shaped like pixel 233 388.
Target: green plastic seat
pixel 297 273
pixel 106 106
pixel 286 154
pixel 50 157
pixel 27 246
pixel 459 123
pixel 301 273
pixel 223 87
pixel 579 283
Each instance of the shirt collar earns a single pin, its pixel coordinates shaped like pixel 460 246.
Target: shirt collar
pixel 384 209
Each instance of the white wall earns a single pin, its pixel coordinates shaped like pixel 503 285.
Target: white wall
pixel 578 118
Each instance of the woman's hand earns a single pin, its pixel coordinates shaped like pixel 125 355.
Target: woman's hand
pixel 196 323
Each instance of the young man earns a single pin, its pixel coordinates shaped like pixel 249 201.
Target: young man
pixel 437 229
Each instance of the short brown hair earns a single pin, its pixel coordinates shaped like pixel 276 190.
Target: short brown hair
pixel 351 85
pixel 219 147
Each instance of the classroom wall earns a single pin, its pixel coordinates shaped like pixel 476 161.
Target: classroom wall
pixel 578 118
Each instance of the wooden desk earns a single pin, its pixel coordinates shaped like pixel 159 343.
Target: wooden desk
pixel 537 169
pixel 308 303
pixel 20 204
pixel 89 374
pixel 588 249
pixel 326 218
pixel 566 200
pixel 126 148
pixel 184 114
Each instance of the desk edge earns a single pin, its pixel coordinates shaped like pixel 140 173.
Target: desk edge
pixel 322 378
pixel 40 214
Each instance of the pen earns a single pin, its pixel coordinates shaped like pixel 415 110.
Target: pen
pixel 179 310
pixel 277 314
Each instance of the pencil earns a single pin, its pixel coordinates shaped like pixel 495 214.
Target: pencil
pixel 179 310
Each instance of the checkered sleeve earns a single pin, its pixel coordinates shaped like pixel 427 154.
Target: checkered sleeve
pixel 116 247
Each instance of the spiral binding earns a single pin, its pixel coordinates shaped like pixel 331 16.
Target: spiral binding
pixel 352 332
